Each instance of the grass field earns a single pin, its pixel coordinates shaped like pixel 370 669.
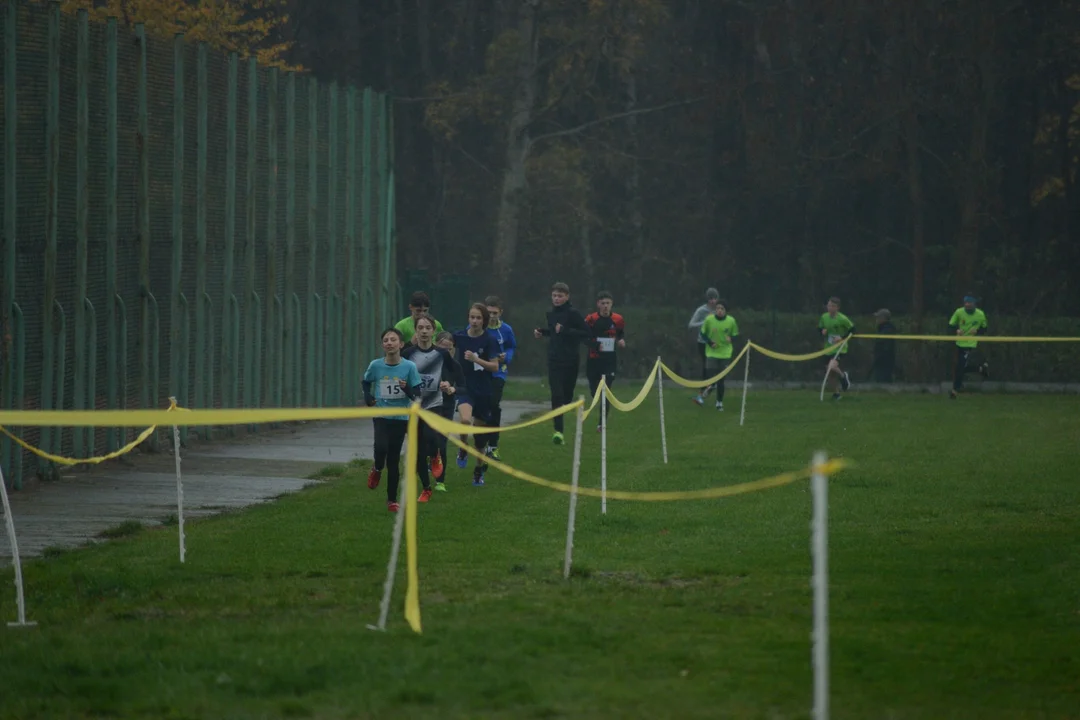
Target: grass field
pixel 955 583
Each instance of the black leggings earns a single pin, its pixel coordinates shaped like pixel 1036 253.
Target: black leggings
pixel 704 361
pixel 497 385
pixel 562 379
pixel 965 364
pixel 595 371
pixel 389 439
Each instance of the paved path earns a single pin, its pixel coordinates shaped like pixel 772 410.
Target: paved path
pixel 219 475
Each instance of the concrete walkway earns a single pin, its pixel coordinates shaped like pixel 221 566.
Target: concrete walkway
pixel 218 475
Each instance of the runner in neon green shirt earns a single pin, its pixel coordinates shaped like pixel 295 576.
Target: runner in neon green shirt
pixel 967 322
pixel 718 333
pixel 836 327
pixel 419 304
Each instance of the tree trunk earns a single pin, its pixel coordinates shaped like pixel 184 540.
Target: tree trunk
pixel 918 229
pixel 587 258
pixel 517 148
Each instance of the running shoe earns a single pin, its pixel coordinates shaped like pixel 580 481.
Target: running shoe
pixel 393 507
pixel 845 382
pixel 440 487
pixel 478 477
pixel 424 496
pixel 462 459
pixel 699 400
pixel 557 438
pixel 720 407
pixel 373 478
pixel 493 453
pixel 437 467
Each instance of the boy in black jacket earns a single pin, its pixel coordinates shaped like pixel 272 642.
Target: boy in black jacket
pixel 567 331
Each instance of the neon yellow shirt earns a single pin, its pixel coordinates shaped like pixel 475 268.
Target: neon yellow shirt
pixel 835 329
pixel 968 323
pixel 720 331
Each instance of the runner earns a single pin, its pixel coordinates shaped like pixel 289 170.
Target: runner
pixel 719 331
pixel 967 321
pixel 504 335
pixel 480 358
pixel 608 332
pixel 438 371
pixel 836 327
pixel 445 340
pixel 712 295
pixel 566 330
pixel 419 304
pixel 396 382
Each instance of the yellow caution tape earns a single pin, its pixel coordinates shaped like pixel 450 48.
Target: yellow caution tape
pixel 698 384
pixel 619 404
pixel 188 418
pixel 61 460
pixel 445 426
pixel 977 338
pixel 795 358
pixel 829 468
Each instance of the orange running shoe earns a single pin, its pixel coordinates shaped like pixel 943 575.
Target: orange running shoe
pixel 424 496
pixel 437 467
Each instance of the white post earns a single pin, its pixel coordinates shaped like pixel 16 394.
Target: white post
pixel 745 383
pixel 179 491
pixel 828 368
pixel 573 493
pixel 663 428
pixel 820 551
pixel 20 599
pixel 391 567
pixel 603 448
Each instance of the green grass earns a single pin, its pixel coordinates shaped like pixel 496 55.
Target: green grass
pixel 954 559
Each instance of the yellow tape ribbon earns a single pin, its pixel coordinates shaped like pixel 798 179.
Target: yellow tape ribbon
pixel 978 338
pixel 698 384
pixel 61 460
pixel 795 358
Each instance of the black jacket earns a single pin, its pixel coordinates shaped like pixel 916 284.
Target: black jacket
pixel 563 346
pixel 885 350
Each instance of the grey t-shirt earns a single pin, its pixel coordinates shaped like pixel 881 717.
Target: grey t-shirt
pixel 699 319
pixel 429 363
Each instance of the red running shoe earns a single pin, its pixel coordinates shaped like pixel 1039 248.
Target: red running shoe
pixel 393 507
pixel 373 478
pixel 437 467
pixel 424 496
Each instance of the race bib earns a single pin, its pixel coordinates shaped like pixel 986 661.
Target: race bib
pixel 606 344
pixel 477 367
pixel 833 339
pixel 389 389
pixel 428 382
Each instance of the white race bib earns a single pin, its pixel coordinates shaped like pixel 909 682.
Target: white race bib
pixel 477 367
pixel 389 389
pixel 607 344
pixel 833 339
pixel 428 382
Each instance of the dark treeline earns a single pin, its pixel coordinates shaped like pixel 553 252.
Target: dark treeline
pixel 897 154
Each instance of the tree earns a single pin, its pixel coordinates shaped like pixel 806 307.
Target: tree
pixel 249 27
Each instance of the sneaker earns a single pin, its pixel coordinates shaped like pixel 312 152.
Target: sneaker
pixel 720 407
pixel 599 428
pixel 437 467
pixel 478 477
pixel 424 496
pixel 373 478
pixel 845 382
pixel 836 396
pixel 699 400
pixel 558 438
pixel 984 370
pixel 393 506
pixel 493 453
pixel 953 394
pixel 440 487
pixel 462 459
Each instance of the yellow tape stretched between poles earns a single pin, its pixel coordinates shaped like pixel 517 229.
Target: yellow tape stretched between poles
pixel 833 466
pixel 61 460
pixel 795 358
pixel 186 418
pixel 977 338
pixel 698 384
pixel 619 404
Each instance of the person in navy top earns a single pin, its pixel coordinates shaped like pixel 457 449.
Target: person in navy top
pixel 478 353
pixel 504 335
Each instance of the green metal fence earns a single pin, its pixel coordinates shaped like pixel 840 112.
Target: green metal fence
pixel 178 222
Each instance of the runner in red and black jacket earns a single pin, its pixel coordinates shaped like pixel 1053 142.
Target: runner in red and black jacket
pixel 607 332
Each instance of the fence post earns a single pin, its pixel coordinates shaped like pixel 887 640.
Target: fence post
pixel 660 393
pixel 251 388
pixel 292 390
pixel 202 309
pixel 333 328
pixel 746 381
pixel 229 347
pixel 82 122
pixel 273 337
pixel 366 292
pixel 820 549
pixel 574 474
pixel 11 147
pixel 147 398
pixel 310 370
pixel 115 350
pixel 49 333
pixel 176 309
